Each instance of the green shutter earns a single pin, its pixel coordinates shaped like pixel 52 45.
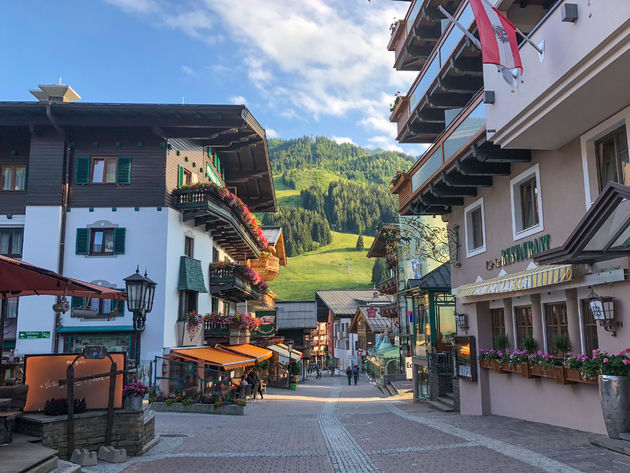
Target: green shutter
pixel 123 172
pixel 180 176
pixel 78 302
pixel 26 179
pixel 119 241
pixel 83 241
pixel 82 170
pixel 121 308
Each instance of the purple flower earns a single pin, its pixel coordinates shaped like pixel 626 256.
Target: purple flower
pixel 540 352
pixel 626 362
pixel 605 360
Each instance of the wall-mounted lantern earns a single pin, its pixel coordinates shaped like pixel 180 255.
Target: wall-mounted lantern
pixel 603 310
pixel 462 321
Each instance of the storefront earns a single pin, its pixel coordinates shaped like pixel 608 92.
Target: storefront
pixel 117 339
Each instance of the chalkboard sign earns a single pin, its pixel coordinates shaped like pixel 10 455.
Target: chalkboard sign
pixel 466 358
pixel 42 374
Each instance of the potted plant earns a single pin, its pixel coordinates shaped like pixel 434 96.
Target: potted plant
pixel 135 393
pixel 294 371
pixel 614 390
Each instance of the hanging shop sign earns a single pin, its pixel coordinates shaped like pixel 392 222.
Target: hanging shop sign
pixel 521 252
pixel 267 324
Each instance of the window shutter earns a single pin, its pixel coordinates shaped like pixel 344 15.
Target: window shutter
pixel 78 302
pixel 121 308
pixel 119 241
pixel 123 172
pixel 180 176
pixel 83 241
pixel 26 179
pixel 82 170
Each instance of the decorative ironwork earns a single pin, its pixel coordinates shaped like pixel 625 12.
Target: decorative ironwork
pixel 412 238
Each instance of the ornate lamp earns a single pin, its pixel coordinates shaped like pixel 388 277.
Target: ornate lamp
pixel 462 321
pixel 603 310
pixel 140 294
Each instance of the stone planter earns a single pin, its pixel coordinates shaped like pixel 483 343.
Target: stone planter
pixel 190 335
pixel 614 392
pixel 135 403
pixel 229 409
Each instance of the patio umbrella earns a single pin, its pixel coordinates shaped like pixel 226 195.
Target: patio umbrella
pixel 18 279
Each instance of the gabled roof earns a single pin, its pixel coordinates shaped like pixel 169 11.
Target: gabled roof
pixel 602 234
pixel 377 324
pixel 296 314
pixel 379 245
pixel 344 303
pixel 275 237
pixel 438 279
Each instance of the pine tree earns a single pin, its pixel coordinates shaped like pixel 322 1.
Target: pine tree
pixel 360 244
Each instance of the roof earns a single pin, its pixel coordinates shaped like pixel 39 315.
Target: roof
pixel 344 303
pixel 275 237
pixel 272 233
pixel 214 356
pixel 191 275
pixel 439 278
pixel 283 350
pixel 248 350
pixel 229 129
pixel 377 323
pixel 299 314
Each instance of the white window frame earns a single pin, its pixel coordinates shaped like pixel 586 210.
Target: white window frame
pixel 516 209
pixel 468 228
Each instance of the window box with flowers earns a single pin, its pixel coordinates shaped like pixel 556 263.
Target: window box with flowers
pixel 236 282
pixel 190 329
pixel 237 327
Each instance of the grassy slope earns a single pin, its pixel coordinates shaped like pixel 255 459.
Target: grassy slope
pixel 325 268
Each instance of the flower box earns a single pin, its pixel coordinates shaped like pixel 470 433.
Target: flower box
pixel 526 371
pixel 573 375
pixel 496 366
pixel 511 368
pixel 543 371
pixel 485 364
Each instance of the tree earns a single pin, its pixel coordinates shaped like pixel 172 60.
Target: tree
pixel 360 244
pixel 379 271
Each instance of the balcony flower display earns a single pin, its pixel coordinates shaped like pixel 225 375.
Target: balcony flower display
pixel 397 98
pixel 397 177
pixel 240 320
pixel 193 324
pixel 250 274
pixel 237 204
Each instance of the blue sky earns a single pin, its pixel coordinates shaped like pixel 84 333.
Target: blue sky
pixel 303 67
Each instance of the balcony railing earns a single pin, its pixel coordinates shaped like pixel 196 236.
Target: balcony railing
pixel 390 286
pixel 232 284
pixel 224 333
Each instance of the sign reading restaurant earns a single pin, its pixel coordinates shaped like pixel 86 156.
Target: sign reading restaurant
pixel 521 252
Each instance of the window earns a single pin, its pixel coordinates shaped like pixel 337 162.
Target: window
pixel 188 246
pixel 556 324
pixel 475 228
pixel 498 324
pixel 95 307
pixel 524 328
pixel 187 303
pixel 102 242
pixel 12 307
pixel 104 170
pixel 612 159
pixel 13 178
pixel 11 242
pixel 527 217
pixel 188 180
pixel 591 341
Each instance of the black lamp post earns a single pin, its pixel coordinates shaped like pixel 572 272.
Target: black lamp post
pixel 140 293
pixel 289 344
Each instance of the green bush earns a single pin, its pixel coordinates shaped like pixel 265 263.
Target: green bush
pixel 562 343
pixel 530 345
pixel 59 407
pixel 501 341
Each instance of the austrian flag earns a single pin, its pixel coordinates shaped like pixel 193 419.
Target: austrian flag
pixel 497 35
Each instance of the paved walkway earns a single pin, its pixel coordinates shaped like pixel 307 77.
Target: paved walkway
pixel 328 426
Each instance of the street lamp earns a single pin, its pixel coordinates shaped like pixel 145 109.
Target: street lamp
pixel 289 344
pixel 140 294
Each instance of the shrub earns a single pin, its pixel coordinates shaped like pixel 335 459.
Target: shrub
pixel 501 341
pixel 562 343
pixel 59 407
pixel 530 345
pixel 294 368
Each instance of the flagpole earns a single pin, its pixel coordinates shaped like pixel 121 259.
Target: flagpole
pixel 541 52
pixel 470 36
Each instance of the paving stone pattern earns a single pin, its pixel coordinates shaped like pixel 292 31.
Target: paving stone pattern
pixel 327 426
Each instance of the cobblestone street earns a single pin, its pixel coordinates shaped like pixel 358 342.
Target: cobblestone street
pixel 328 426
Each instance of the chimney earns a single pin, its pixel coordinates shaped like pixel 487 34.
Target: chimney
pixel 58 93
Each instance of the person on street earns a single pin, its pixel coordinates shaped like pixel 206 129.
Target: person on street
pixel 332 370
pixel 355 372
pixel 319 373
pixel 349 375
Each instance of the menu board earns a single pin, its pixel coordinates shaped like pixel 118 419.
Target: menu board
pixel 43 373
pixel 466 358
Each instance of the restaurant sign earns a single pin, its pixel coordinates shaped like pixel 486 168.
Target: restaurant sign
pixel 521 252
pixel 267 324
pixel 33 335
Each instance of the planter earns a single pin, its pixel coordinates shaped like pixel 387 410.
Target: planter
pixel 561 375
pixel 542 371
pixel 614 392
pixel 496 366
pixel 135 403
pixel 511 368
pixel 485 364
pixel 230 409
pixel 526 371
pixel 575 376
pixel 190 335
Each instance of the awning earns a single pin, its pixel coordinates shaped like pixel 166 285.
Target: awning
pixel 190 275
pixel 214 356
pixel 95 328
pixel 252 351
pixel 283 350
pixel 545 275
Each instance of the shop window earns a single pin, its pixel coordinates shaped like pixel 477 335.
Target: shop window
pixel 612 158
pixel 556 324
pixel 526 203
pixel 524 328
pixel 187 303
pixel 475 229
pixel 13 178
pixel 114 343
pixel 189 243
pixel 591 342
pixel 11 242
pixel 498 324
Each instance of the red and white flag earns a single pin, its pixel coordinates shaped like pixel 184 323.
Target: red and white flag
pixel 498 37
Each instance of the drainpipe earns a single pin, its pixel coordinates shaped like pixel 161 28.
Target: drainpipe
pixel 65 194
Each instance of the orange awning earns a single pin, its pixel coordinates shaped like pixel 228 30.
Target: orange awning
pixel 259 353
pixel 214 356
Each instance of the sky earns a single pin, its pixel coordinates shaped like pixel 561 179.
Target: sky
pixel 302 67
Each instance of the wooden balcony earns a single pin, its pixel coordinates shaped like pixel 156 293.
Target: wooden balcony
pixel 460 161
pixel 223 333
pixel 232 285
pixel 389 286
pixel 268 266
pixel 204 207
pixel 390 311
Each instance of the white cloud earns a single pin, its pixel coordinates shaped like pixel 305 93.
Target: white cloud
pixel 188 70
pixel 271 133
pixel 237 100
pixel 135 6
pixel 343 139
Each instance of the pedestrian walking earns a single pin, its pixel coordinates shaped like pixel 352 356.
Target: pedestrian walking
pixel 355 372
pixel 332 370
pixel 349 375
